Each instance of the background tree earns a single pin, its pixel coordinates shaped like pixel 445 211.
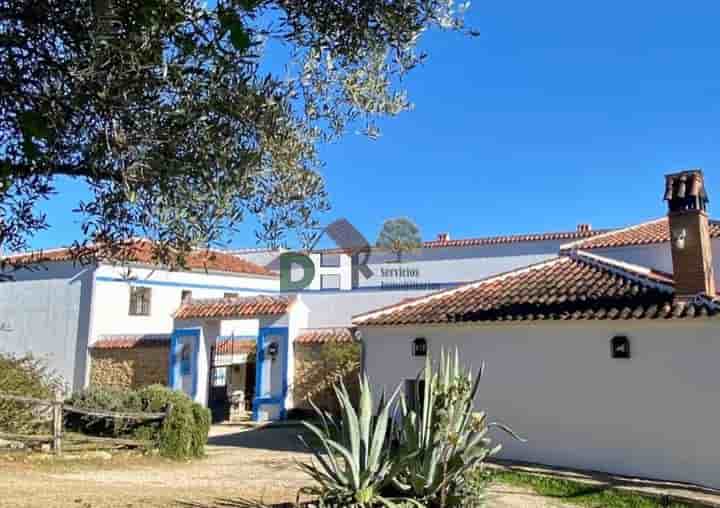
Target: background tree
pixel 167 111
pixel 399 236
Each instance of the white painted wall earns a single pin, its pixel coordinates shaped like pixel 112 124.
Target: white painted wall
pixel 657 256
pixel 654 415
pixel 112 296
pixel 458 264
pixel 337 308
pixel 45 311
pixel 433 265
pixel 298 319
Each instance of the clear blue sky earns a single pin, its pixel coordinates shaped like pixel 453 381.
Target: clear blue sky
pixel 561 112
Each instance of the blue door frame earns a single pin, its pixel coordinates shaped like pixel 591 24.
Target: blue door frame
pixel 284 349
pixel 176 345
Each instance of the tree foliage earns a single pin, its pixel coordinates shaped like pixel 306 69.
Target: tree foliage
pixel 399 236
pixel 167 111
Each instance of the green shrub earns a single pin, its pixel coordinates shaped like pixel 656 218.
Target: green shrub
pixel 354 466
pixel 106 399
pixel 28 377
pixel 432 456
pixel 446 440
pixel 182 435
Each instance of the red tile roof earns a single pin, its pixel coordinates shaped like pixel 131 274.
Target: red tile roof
pixel 234 346
pixel 325 335
pixel 130 341
pixel 141 251
pixel 230 308
pixel 530 237
pixel 646 233
pixel 575 286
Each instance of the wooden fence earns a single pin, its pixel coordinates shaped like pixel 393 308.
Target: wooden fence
pixel 59 408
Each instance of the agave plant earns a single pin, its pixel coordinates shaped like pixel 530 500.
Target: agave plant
pixel 354 465
pixel 443 436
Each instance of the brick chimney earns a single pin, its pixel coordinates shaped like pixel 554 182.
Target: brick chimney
pixel 443 237
pixel 689 234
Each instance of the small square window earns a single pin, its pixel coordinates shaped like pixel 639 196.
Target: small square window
pixel 329 260
pixel 330 281
pixel 140 301
pixel 230 295
pixel 219 376
pixel 185 295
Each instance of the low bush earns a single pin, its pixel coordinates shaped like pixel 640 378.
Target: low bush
pixel 28 377
pixel 180 436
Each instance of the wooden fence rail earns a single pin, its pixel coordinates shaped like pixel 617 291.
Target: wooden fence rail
pixel 59 407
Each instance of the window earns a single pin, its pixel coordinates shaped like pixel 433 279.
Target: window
pixel 230 295
pixel 140 301
pixel 185 295
pixel 219 376
pixel 185 353
pixel 330 281
pixel 329 260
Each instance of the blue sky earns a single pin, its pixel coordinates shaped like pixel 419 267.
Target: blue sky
pixel 560 113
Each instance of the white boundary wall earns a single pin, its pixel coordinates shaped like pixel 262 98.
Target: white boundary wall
pixel 655 415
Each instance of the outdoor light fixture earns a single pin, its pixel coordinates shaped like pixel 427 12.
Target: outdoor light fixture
pixel 679 238
pixel 272 350
pixel 419 346
pixel 620 347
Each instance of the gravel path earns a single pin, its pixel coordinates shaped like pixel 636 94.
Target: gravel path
pixel 257 464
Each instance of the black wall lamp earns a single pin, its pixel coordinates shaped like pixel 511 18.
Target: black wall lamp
pixel 272 350
pixel 620 347
pixel 419 347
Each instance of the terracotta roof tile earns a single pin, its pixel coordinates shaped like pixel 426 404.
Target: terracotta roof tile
pixel 530 237
pixel 325 335
pixel 130 341
pixel 655 231
pixel 141 251
pixel 239 307
pixel 570 287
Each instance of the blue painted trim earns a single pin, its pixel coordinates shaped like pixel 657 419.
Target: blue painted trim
pixel 425 287
pixel 187 285
pixel 270 399
pixel 175 352
pixel 285 360
pixel 259 360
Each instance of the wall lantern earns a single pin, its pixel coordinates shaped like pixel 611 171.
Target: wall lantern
pixel 679 238
pixel 620 347
pixel 272 350
pixel 419 347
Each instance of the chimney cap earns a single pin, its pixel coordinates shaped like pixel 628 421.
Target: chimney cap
pixel 685 190
pixel 584 228
pixel 443 237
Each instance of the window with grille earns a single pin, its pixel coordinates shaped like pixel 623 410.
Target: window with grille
pixel 330 281
pixel 140 301
pixel 330 260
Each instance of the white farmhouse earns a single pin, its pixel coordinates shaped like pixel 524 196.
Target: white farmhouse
pixel 62 311
pixel 605 356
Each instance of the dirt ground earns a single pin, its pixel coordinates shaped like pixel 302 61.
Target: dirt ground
pixel 255 464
